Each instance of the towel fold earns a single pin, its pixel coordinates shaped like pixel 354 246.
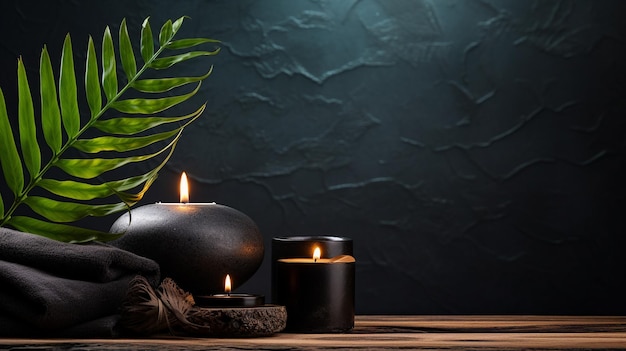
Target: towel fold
pixel 98 328
pixel 46 285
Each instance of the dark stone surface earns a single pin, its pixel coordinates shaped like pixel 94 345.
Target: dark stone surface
pixel 474 150
pixel 237 322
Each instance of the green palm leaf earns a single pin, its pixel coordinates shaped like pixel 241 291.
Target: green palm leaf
pixel 134 125
pixel 166 84
pixel 119 130
pixel 51 114
pixel 27 127
pixel 126 52
pixel 58 231
pixel 68 100
pixel 9 157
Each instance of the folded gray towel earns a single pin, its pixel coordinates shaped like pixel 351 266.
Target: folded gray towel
pixel 49 285
pixel 98 328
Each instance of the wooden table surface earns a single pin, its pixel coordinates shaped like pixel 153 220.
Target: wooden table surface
pixel 390 332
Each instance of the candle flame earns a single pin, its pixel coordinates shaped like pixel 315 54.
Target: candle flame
pixel 317 253
pixel 184 188
pixel 227 285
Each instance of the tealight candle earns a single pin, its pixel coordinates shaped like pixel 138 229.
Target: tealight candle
pixel 317 292
pixel 229 299
pixel 195 244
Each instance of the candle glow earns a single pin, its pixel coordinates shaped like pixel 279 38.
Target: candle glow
pixel 184 189
pixel 227 284
pixel 317 253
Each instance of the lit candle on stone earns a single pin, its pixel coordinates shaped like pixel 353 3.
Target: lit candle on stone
pixel 195 244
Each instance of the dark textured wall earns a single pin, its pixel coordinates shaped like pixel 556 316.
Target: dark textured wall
pixel 474 150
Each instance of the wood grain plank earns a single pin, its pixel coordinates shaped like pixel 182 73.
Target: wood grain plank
pixel 492 324
pixel 391 332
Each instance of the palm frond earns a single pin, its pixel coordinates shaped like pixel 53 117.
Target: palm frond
pixel 123 127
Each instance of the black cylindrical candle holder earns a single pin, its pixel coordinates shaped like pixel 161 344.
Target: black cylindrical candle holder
pixel 318 295
pixel 303 246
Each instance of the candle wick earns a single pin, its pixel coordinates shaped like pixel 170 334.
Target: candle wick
pixel 315 259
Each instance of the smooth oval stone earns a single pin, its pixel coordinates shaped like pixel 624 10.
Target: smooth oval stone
pixel 195 244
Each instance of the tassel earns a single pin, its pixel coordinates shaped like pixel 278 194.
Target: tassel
pixel 146 311
pixel 143 312
pixel 177 301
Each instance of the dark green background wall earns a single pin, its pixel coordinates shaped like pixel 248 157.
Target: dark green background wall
pixel 474 150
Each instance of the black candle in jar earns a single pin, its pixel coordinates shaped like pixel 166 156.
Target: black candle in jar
pixel 303 246
pixel 318 293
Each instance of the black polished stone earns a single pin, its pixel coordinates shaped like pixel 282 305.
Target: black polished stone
pixel 195 244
